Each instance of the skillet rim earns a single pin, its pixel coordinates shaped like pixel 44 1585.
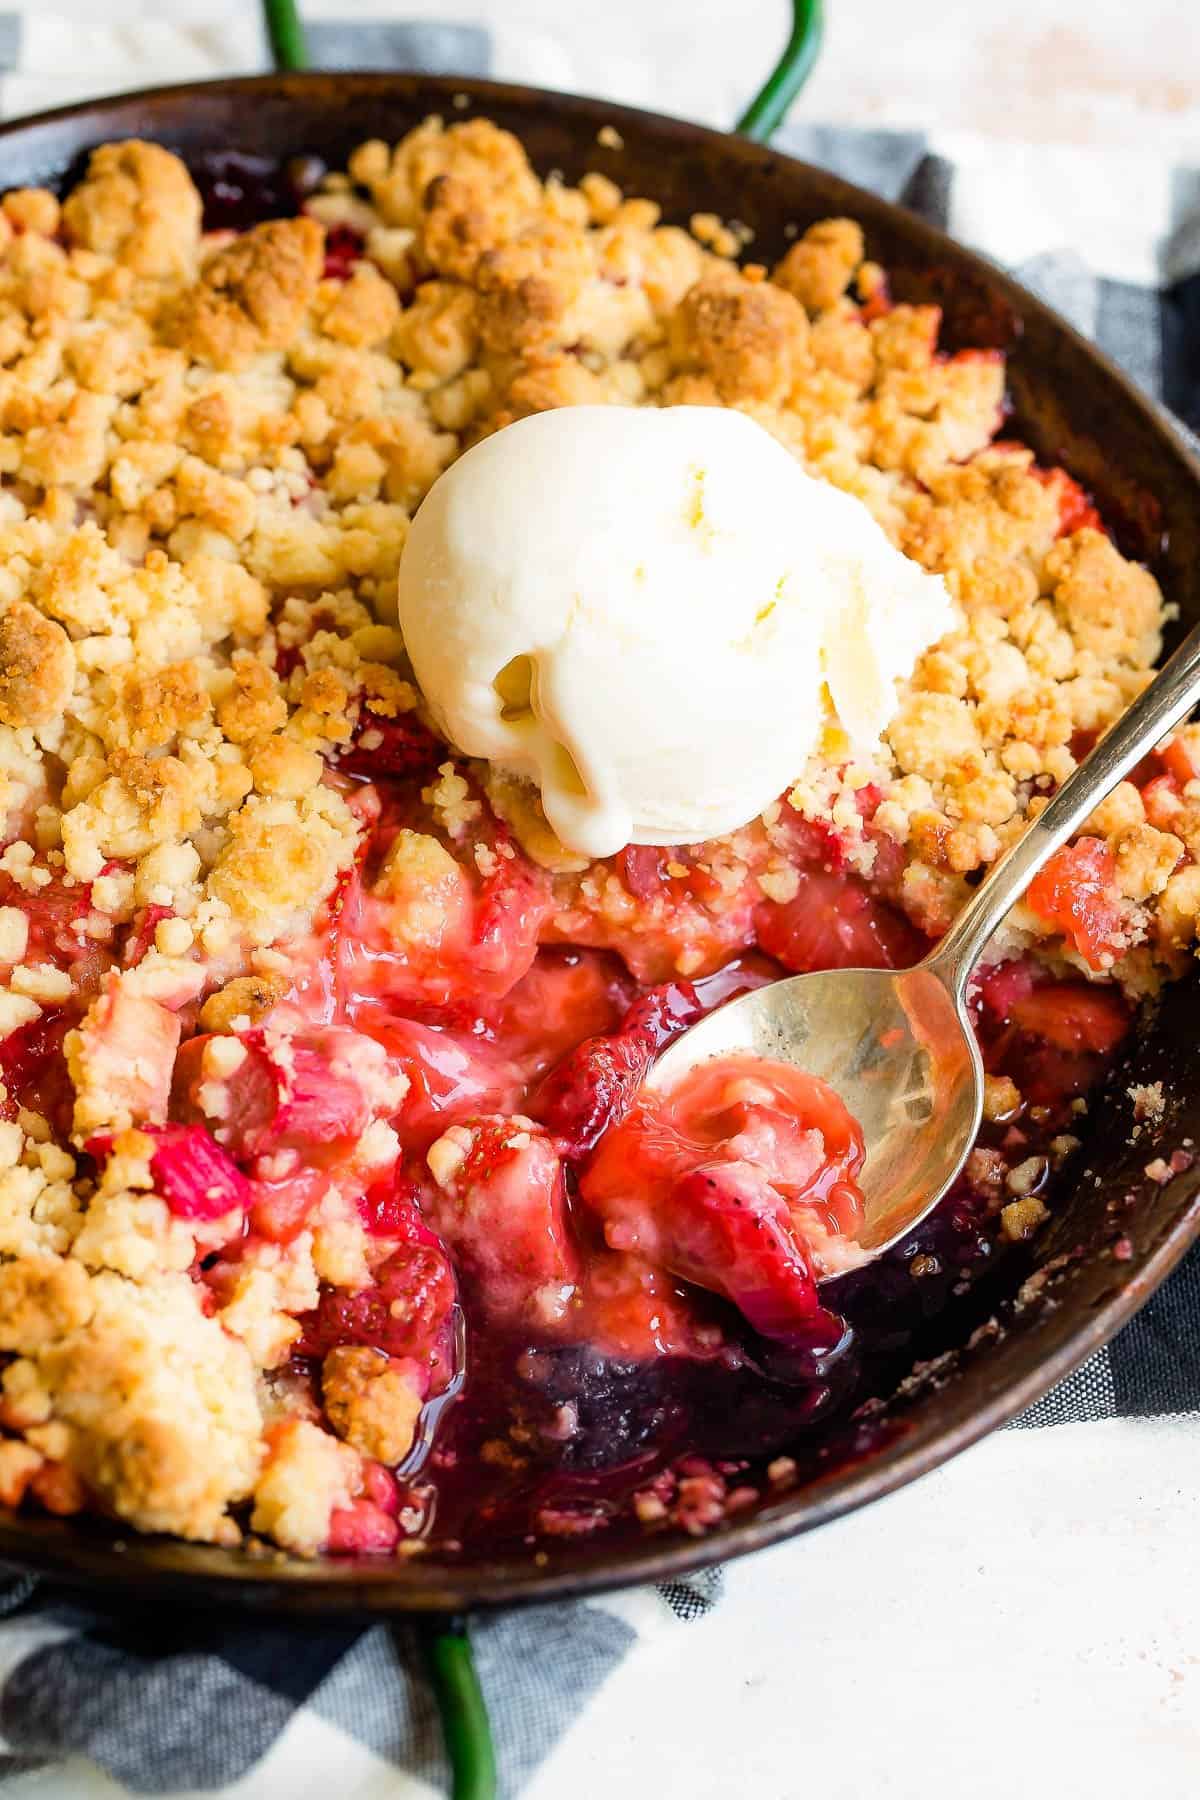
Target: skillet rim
pixel 209 1576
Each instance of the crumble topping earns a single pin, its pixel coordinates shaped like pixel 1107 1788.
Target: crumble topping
pixel 210 450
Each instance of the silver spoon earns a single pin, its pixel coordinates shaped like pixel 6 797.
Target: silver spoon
pixel 896 1044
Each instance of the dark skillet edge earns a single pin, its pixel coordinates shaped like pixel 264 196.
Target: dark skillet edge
pixel 1096 1296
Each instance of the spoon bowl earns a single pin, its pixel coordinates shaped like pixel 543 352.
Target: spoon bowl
pixel 901 1055
pixel 897 1044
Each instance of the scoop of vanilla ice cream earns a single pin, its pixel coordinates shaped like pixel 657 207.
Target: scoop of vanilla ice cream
pixel 654 614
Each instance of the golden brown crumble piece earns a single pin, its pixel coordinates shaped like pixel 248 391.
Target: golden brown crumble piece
pixel 159 1406
pixel 439 333
pixel 749 339
pixel 152 709
pixel 491 164
pixel 1021 1218
pixel 1111 607
pixel 308 1475
pixel 1178 915
pixel 251 297
pixel 248 998
pixel 138 205
pixel 1145 860
pixel 252 704
pixel 37 666
pixel 457 228
pixel 281 857
pixel 820 266
pixel 362 311
pixel 528 286
pixel 372 1400
pixel 33 209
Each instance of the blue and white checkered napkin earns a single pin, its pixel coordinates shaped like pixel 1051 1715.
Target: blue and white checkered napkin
pixel 169 1703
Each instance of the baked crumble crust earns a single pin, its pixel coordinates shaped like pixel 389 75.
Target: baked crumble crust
pixel 210 450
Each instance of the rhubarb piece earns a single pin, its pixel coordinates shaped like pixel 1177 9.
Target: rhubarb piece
pixel 500 1203
pixel 196 1178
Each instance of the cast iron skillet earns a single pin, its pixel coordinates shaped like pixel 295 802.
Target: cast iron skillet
pixel 994 1354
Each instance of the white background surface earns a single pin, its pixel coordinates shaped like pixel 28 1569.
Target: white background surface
pixel 1021 1625
pixel 1063 71
pixel 1024 1621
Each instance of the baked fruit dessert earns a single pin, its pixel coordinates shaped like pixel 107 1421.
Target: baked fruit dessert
pixel 330 1215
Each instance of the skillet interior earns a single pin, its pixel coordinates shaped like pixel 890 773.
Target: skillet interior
pixel 1072 406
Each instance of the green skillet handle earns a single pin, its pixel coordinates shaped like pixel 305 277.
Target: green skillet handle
pixel 768 109
pixel 286 33
pixel 761 119
pixel 461 1704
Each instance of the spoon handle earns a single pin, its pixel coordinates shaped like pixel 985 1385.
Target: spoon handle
pixel 1169 697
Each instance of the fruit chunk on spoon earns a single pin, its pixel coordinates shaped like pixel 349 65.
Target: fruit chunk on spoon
pixel 897 1045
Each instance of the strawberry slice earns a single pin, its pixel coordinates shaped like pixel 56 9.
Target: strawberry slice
pixel 390 1208
pixel 567 996
pixel 449 1079
pixel 379 1487
pixel 454 938
pixel 1003 987
pixel 248 1097
pixel 594 1087
pixel 835 922
pixel 34 1070
pixel 1073 1016
pixel 321 1100
pixel 643 869
pixel 1076 894
pixel 727 1229
pixel 663 1013
pixel 405 1312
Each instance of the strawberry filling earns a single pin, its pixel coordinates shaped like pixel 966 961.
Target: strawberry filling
pixel 593 1088
pixel 836 922
pixel 726 1182
pixel 582 1282
pixel 343 248
pixel 1076 894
